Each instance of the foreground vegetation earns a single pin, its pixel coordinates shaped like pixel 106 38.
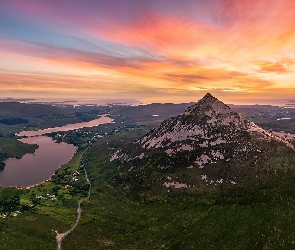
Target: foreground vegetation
pixel 113 219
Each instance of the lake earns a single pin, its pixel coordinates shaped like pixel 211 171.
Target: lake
pixel 101 120
pixel 35 168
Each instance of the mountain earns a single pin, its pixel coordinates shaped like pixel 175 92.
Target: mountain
pixel 207 149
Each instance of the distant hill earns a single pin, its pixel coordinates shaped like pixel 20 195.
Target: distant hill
pixel 23 110
pixel 207 149
pixel 15 116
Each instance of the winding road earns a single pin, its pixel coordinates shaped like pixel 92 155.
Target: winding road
pixel 60 237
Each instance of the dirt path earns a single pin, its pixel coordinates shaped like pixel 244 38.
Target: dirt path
pixel 60 236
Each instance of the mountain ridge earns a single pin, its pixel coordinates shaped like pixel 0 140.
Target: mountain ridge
pixel 207 145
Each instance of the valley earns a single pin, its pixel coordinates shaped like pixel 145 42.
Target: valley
pixel 132 213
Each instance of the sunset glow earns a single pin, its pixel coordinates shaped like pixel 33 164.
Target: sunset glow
pixel 149 50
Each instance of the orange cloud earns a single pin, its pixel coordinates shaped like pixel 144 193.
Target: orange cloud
pixel 234 48
pixel 274 67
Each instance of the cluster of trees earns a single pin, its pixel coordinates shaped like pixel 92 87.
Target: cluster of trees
pixel 10 204
pixel 14 121
pixel 79 189
pixel 2 165
pixel 3 156
pixel 80 139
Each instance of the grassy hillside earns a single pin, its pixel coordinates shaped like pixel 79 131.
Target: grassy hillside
pixel 256 219
pixel 249 219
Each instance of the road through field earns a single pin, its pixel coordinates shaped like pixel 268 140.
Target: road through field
pixel 61 236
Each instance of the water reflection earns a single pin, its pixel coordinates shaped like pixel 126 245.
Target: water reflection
pixel 35 168
pixel 101 120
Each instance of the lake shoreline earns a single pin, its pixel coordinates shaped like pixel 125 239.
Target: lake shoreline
pixel 102 119
pixel 42 182
pixel 34 168
pixel 49 157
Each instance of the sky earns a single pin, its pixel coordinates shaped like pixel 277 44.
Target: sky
pixel 148 50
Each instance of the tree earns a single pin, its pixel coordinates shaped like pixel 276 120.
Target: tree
pixel 2 165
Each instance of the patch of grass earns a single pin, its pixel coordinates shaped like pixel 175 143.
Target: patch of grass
pixel 31 218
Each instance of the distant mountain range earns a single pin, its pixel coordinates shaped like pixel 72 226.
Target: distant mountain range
pixel 207 149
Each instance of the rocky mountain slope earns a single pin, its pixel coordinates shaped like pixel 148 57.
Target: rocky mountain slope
pixel 208 148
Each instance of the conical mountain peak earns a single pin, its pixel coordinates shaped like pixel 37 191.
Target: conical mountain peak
pixel 208 147
pixel 208 96
pixel 208 103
